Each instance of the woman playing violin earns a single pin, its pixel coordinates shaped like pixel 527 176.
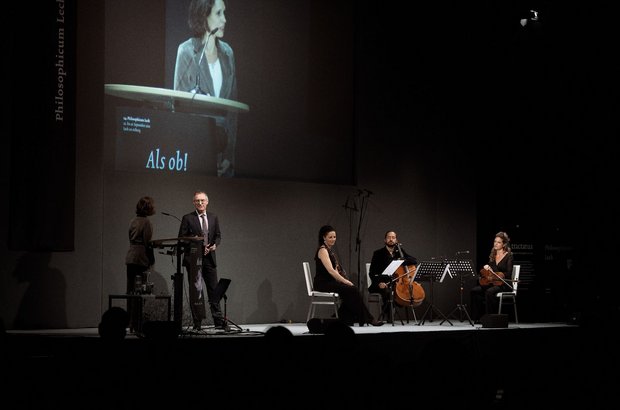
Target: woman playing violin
pixel 493 278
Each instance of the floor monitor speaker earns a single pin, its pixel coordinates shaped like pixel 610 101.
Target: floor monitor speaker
pixel 160 330
pixel 316 325
pixel 494 320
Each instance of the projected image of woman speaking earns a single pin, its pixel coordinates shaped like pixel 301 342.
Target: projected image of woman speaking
pixel 205 64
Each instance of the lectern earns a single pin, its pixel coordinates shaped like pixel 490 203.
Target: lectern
pixel 176 100
pixel 191 245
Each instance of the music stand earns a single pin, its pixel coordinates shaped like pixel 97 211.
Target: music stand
pixel 432 271
pixel 461 268
pixel 389 271
pixel 220 293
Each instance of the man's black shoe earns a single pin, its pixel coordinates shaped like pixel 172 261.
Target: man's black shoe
pixel 197 325
pixel 221 325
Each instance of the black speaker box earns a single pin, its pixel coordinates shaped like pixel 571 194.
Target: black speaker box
pixel 494 320
pixel 161 330
pixel 316 325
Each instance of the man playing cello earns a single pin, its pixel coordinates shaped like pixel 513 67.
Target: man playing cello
pixel 381 258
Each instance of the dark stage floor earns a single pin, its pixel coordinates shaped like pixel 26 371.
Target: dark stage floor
pixel 402 365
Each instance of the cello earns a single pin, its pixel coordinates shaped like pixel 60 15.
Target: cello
pixel 407 292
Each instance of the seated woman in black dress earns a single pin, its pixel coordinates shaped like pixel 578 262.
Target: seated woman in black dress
pixel 484 295
pixel 330 277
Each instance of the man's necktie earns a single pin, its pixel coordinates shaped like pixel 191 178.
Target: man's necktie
pixel 205 226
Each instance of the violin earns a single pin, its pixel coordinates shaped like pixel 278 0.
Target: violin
pixel 339 268
pixel 488 277
pixel 341 271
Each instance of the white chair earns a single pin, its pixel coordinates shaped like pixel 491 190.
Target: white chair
pixel 318 298
pixel 511 297
pixel 375 300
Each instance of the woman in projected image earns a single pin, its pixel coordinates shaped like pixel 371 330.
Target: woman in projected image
pixel 206 65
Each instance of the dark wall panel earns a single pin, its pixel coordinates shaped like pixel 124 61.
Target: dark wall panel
pixel 42 134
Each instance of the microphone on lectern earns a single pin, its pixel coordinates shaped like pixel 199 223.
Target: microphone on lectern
pixel 167 214
pixel 197 89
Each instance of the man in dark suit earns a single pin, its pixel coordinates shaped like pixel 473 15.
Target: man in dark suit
pixel 201 223
pixel 381 258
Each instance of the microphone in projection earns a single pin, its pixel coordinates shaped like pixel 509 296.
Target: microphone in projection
pixel 197 89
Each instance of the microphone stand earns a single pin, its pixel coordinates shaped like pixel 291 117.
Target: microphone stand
pixel 400 251
pixel 363 195
pixel 350 207
pixel 358 239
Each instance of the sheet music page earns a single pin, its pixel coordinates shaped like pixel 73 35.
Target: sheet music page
pixel 391 268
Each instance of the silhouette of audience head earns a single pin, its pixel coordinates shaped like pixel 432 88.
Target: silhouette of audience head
pixel 276 333
pixel 113 325
pixel 339 329
pixel 278 345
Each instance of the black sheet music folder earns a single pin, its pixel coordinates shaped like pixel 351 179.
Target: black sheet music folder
pixel 462 267
pixel 432 271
